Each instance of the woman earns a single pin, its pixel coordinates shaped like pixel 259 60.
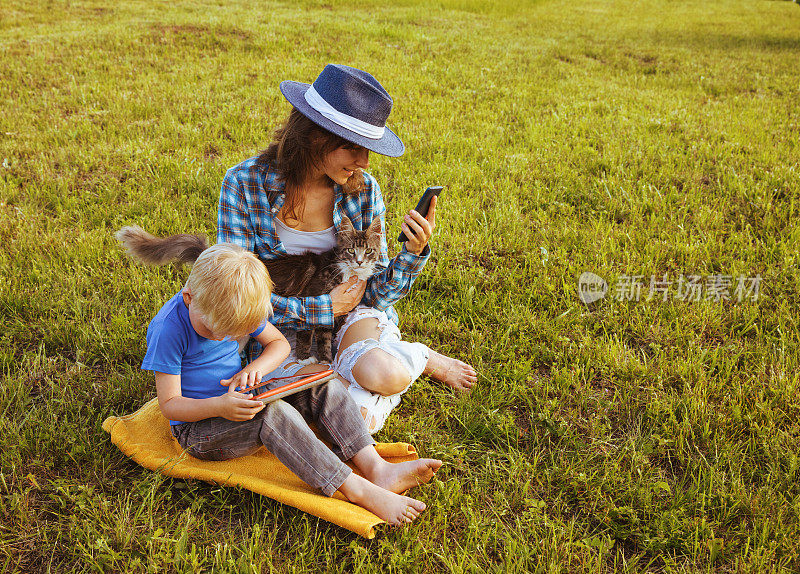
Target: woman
pixel 291 199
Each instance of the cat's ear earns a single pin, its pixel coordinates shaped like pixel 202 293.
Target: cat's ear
pixel 375 226
pixel 347 225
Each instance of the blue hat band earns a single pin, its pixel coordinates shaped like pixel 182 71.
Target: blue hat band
pixel 360 127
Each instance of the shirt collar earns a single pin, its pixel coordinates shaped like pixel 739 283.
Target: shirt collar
pixel 338 205
pixel 274 189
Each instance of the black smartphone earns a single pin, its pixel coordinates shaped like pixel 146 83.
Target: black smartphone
pixel 423 205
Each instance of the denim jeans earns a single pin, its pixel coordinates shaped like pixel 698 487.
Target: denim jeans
pixel 282 427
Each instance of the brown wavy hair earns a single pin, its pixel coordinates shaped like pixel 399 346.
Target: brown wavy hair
pixel 298 148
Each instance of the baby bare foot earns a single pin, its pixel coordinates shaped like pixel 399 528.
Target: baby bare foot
pixel 452 372
pixel 399 477
pixel 393 508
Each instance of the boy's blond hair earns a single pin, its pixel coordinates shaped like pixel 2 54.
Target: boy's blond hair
pixel 231 289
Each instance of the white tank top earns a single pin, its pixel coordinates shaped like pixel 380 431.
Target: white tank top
pixel 296 241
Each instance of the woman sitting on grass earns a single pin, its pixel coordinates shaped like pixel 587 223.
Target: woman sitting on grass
pixel 291 199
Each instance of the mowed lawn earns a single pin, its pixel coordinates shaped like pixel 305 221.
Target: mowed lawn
pixel 649 139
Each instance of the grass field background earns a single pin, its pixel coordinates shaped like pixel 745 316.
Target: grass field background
pixel 622 138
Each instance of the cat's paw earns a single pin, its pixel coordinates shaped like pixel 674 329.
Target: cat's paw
pixel 308 361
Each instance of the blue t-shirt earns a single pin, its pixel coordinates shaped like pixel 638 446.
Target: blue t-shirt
pixel 175 348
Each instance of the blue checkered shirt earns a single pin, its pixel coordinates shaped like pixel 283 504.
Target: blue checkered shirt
pixel 249 201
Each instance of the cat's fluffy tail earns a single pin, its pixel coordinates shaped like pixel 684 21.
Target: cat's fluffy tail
pixel 181 248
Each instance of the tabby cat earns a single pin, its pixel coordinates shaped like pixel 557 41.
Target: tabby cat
pixel 303 275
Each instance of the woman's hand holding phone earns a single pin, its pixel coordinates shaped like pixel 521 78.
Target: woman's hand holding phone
pixel 419 223
pixel 419 229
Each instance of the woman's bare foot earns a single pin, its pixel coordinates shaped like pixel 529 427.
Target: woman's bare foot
pixel 452 372
pixel 399 477
pixel 393 508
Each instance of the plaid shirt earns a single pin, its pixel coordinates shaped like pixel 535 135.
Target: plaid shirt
pixel 249 201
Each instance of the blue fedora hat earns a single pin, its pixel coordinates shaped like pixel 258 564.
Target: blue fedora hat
pixel 349 103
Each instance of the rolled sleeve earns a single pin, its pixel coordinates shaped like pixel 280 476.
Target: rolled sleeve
pixel 394 282
pixel 300 312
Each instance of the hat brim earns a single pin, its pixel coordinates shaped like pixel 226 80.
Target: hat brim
pixel 389 145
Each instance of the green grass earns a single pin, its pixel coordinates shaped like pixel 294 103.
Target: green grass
pixel 619 137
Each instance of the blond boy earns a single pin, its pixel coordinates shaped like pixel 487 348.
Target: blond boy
pixel 192 349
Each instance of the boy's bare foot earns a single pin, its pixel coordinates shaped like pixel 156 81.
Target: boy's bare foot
pixel 452 372
pixel 393 508
pixel 399 477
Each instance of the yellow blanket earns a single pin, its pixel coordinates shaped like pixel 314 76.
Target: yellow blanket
pixel 145 437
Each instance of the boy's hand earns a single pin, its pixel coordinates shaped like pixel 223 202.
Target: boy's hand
pixel 242 380
pixel 236 406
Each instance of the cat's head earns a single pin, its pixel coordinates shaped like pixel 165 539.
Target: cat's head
pixel 358 251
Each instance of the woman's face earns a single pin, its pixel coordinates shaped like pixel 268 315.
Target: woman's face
pixel 342 162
